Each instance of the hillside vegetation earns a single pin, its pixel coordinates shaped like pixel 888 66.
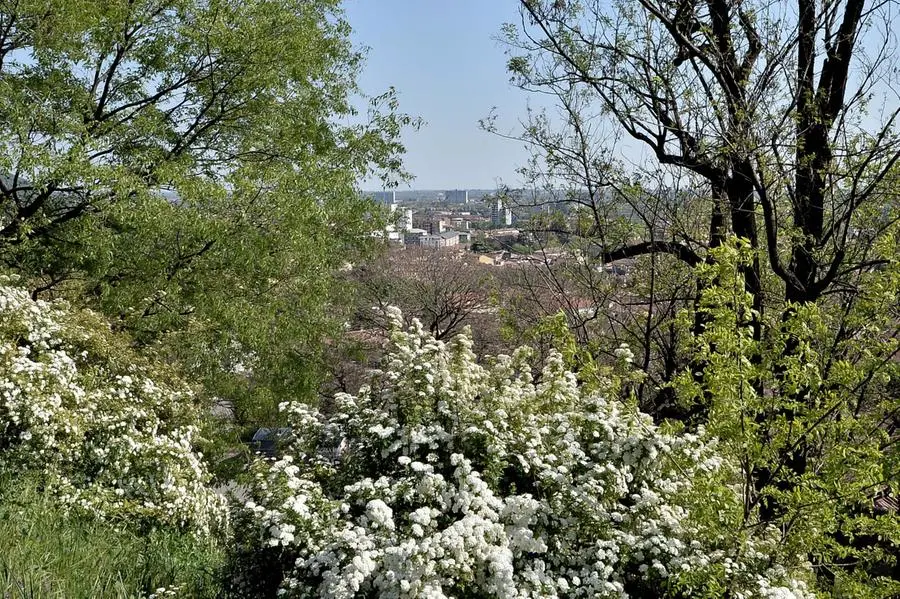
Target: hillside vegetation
pixel 688 387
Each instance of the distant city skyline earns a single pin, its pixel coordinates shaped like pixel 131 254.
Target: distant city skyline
pixel 447 69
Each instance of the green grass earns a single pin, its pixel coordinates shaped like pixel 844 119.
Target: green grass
pixel 45 553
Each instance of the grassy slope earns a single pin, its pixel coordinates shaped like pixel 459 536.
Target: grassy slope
pixel 45 553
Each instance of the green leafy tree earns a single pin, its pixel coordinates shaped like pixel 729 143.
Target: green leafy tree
pixel 811 416
pixel 760 120
pixel 191 168
pixel 763 115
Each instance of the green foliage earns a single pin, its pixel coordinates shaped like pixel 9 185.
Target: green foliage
pixel 46 553
pixel 806 410
pixel 191 167
pixel 616 377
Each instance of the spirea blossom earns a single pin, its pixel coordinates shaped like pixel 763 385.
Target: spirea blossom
pixel 624 353
pixel 110 439
pixel 466 478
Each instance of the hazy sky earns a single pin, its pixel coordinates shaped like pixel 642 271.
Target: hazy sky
pixel 441 57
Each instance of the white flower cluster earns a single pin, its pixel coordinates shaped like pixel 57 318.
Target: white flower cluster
pixel 624 353
pixel 460 479
pixel 163 592
pixel 109 439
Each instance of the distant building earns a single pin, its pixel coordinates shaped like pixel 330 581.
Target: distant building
pixel 502 233
pixel 406 221
pixel 493 258
pixel 457 196
pixel 460 224
pixel 440 240
pixel 412 236
pixel 436 226
pixel 390 233
pixel 501 215
pixel 384 197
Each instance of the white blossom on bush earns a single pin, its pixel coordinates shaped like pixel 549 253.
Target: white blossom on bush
pixel 109 439
pixel 624 353
pixel 458 478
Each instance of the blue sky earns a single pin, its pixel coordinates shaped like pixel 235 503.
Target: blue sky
pixel 441 57
pixel 448 69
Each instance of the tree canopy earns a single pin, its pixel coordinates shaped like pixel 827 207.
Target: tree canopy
pixel 768 126
pixel 192 168
pixel 767 109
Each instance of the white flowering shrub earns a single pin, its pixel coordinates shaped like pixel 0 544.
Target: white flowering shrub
pixel 450 478
pixel 77 405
